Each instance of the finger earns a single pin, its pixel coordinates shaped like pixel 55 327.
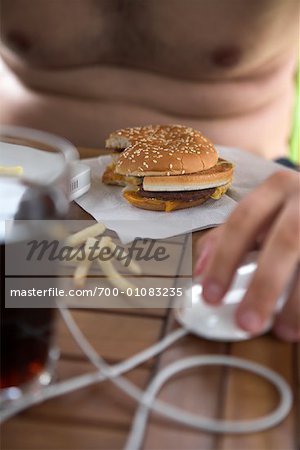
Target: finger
pixel 238 237
pixel 272 275
pixel 287 323
pixel 204 248
pixel 263 234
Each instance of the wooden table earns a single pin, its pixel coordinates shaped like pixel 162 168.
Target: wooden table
pixel 99 417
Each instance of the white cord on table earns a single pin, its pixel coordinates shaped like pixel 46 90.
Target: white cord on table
pixel 146 399
pixel 212 425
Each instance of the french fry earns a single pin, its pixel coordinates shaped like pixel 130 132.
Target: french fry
pixel 72 257
pixel 115 278
pixel 11 171
pixel 82 269
pixel 132 266
pixel 81 236
pixel 107 242
pixel 81 272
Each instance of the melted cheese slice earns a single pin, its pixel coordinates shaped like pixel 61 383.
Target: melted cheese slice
pixel 221 190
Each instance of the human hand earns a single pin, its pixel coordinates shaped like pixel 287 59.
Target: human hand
pixel 268 217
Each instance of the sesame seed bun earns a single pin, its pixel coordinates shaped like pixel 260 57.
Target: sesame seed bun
pixel 171 150
pixel 124 137
pixel 216 176
pixel 121 139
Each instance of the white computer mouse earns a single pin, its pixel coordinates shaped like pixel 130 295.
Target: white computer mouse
pixel 218 322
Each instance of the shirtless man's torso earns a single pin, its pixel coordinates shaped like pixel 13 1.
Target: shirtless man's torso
pixel 82 68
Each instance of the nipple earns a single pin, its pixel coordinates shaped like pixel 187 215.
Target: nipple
pixel 18 42
pixel 226 56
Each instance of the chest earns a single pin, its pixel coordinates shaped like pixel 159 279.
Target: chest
pixel 185 38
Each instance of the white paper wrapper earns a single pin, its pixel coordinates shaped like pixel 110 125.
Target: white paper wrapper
pixel 106 204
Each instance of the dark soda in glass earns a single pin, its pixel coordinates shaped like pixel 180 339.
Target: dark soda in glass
pixel 26 339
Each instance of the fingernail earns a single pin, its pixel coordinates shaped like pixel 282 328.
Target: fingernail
pixel 201 262
pixel 250 321
pixel 287 333
pixel 212 291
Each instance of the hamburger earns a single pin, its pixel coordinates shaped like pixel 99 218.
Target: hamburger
pixel 174 168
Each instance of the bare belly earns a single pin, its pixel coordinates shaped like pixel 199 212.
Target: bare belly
pixel 84 105
pixel 111 64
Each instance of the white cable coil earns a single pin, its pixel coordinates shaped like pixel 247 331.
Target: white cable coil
pixel 147 400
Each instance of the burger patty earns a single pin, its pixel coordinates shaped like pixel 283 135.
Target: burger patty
pixel 178 195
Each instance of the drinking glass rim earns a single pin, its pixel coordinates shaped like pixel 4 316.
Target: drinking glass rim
pixel 58 144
